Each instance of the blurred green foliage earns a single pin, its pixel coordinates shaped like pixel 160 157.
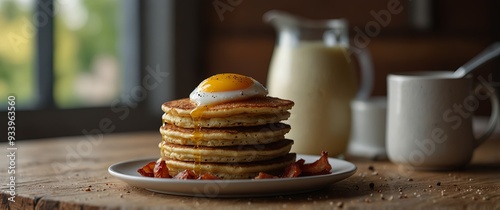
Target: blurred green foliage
pixel 16 53
pixel 75 48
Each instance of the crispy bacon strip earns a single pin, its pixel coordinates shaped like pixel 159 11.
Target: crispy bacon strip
pixel 148 169
pixel 263 175
pixel 321 166
pixel 294 169
pixel 301 162
pixel 208 176
pixel 186 174
pixel 161 170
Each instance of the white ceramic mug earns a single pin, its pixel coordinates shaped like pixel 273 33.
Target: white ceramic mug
pixel 429 119
pixel 368 128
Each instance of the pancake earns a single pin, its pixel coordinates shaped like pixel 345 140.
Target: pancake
pixel 216 137
pixel 231 121
pixel 233 170
pixel 241 153
pixel 233 140
pixel 259 106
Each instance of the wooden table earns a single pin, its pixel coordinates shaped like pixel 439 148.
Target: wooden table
pixel 71 173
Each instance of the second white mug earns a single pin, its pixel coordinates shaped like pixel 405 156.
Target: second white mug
pixel 368 128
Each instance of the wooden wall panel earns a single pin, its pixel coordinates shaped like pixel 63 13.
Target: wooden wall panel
pixel 242 43
pixel 248 14
pixel 250 56
pixel 475 18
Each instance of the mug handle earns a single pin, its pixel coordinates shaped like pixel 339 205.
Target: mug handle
pixel 492 124
pixel 366 69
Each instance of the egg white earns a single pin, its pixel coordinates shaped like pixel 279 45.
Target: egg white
pixel 202 98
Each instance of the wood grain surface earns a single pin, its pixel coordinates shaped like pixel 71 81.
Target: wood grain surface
pixel 71 173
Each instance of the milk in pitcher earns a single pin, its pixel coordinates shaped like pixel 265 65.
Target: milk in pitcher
pixel 321 81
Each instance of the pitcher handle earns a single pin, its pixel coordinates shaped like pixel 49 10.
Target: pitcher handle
pixel 492 124
pixel 366 69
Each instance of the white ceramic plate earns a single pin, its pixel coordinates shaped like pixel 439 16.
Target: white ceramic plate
pixel 127 172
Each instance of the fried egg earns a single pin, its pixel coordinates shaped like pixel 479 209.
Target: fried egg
pixel 223 88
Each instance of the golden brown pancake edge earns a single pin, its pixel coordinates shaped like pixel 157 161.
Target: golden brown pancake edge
pixel 234 170
pixel 257 105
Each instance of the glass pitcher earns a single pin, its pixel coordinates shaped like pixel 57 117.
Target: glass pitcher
pixel 312 65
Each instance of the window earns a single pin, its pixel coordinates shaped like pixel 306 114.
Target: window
pixel 98 66
pixel 16 51
pixel 87 59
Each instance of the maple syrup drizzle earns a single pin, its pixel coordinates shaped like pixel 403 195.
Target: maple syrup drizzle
pixel 197 135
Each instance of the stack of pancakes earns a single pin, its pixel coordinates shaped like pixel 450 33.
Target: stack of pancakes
pixel 233 140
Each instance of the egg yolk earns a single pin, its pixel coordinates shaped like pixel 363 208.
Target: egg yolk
pixel 225 82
